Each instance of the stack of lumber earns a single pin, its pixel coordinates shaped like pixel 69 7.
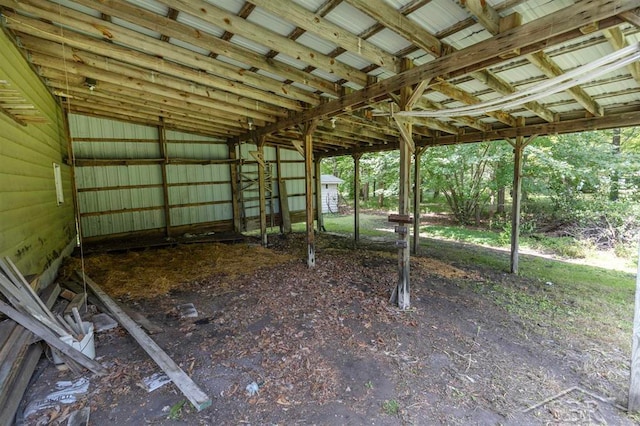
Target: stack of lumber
pixel 29 321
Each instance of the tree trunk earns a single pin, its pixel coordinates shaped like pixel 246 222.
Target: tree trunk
pixel 614 192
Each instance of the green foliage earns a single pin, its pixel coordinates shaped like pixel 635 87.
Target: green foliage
pixel 466 175
pixel 391 407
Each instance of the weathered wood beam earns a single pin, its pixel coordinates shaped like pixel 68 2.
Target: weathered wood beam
pixel 259 156
pixel 158 57
pixel 491 20
pixel 133 78
pixel 634 384
pixel 532 36
pixel 502 86
pixel 168 27
pixel 551 69
pixel 162 142
pixel 426 104
pixel 233 176
pixel 318 174
pixel 232 23
pixel 308 175
pixel 316 24
pixel 396 21
pixel 417 192
pixel 518 149
pixel 632 17
pixel 619 41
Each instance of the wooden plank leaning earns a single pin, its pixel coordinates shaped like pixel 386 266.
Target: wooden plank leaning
pixel 198 398
pixel 54 341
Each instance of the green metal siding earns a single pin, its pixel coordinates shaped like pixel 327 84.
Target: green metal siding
pixel 34 230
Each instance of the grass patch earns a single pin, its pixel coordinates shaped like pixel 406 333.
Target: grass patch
pixel 391 407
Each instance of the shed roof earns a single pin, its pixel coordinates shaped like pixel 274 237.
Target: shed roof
pixel 236 69
pixel 329 179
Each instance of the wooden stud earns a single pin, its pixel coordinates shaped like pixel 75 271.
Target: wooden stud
pixel 262 191
pixel 318 175
pixel 162 141
pixel 518 148
pixel 308 174
pixel 233 172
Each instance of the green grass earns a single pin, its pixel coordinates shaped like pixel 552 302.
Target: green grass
pixel 572 296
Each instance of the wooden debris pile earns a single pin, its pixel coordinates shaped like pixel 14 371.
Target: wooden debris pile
pixel 29 321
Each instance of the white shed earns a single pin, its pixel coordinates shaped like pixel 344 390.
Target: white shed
pixel 330 193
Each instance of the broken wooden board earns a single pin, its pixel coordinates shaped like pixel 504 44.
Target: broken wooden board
pixel 77 302
pixel 198 398
pixel 54 341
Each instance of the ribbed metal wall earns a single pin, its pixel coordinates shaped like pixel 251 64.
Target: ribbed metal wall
pixel 123 191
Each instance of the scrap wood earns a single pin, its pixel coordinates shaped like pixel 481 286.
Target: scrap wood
pixel 53 340
pixel 198 398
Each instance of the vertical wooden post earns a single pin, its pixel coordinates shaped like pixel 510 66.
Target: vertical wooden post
pixel 518 148
pixel 406 147
pixel 415 248
pixel 308 180
pixel 318 176
pixel 356 197
pixel 233 172
pixel 634 385
pixel 261 192
pixel 162 140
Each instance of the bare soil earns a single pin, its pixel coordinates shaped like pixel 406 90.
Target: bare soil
pixel 325 346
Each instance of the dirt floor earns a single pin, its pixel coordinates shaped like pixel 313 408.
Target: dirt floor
pixel 325 346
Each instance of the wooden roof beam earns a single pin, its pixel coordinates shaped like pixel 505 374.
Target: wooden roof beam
pixel 492 21
pixel 316 24
pixel 543 32
pixel 232 23
pixel 157 52
pixel 619 41
pixel 177 30
pixel 396 21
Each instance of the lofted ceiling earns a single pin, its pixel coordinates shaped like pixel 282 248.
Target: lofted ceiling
pixel 239 69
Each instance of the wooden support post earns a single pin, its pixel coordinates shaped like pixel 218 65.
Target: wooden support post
pixel 518 148
pixel 283 198
pixel 318 176
pixel 162 140
pixel 634 385
pixel 261 192
pixel 415 247
pixel 356 197
pixel 308 180
pixel 233 175
pixel 402 293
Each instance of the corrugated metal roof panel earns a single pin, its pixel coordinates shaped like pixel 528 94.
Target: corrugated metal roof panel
pixel 270 75
pixel 312 5
pixel 534 9
pixel 80 8
pixel 439 15
pixel 290 61
pixel 316 43
pixel 188 173
pixel 350 18
pixel 116 150
pixel 233 62
pixel 197 151
pixel 199 24
pixel 324 74
pixel 189 46
pixel 468 37
pixel 289 154
pixel 137 28
pixel 271 22
pixel 389 41
pixel 353 60
pixel 173 135
pixel 152 5
pixel 233 6
pixel 249 44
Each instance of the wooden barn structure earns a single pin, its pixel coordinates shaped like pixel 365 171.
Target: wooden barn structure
pixel 160 118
